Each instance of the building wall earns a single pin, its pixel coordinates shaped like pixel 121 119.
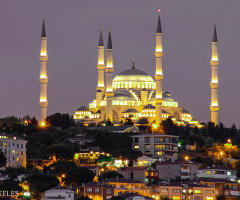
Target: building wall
pixel 14 150
pixel 58 194
pixel 215 173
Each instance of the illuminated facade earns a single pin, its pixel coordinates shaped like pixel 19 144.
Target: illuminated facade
pixel 132 93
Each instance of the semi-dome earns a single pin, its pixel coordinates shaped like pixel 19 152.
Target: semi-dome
pixel 83 108
pixel 123 94
pixel 164 96
pixel 133 75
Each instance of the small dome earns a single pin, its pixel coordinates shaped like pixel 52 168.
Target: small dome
pixel 99 90
pixel 149 106
pixel 83 108
pixel 123 94
pixel 98 112
pixel 133 75
pixel 131 110
pixel 185 111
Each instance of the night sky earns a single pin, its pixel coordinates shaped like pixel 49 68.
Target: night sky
pixel 73 31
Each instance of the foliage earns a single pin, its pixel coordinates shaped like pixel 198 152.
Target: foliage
pixel 143 120
pixel 109 122
pixel 78 176
pixel 3 159
pixel 60 120
pixel 10 185
pixel 61 151
pixel 127 153
pixel 14 172
pixel 41 182
pixel 61 167
pixel 110 174
pixel 128 121
pixel 83 198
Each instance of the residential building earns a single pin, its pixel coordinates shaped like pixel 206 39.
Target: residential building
pixel 135 196
pixel 144 161
pixel 230 189
pixel 123 185
pixel 95 191
pixel 57 193
pixel 143 174
pixel 80 138
pixel 179 168
pixel 179 191
pixel 14 148
pixel 88 156
pixel 218 172
pixel 157 145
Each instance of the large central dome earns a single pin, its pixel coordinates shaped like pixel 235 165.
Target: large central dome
pixel 133 75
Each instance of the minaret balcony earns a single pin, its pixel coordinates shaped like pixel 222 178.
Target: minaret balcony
pixel 214 85
pixel 158 54
pixel 158 77
pixel 43 58
pixel 214 108
pixel 214 62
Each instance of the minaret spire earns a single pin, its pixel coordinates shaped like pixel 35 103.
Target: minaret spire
pixel 43 74
pixel 159 73
pixel 159 27
pixel 101 38
pixel 133 66
pixel 43 34
pixel 100 67
pixel 109 78
pixel 214 83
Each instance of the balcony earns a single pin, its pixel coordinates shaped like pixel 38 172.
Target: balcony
pixel 184 170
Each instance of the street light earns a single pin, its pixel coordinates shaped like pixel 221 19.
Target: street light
pixel 186 158
pixel 220 153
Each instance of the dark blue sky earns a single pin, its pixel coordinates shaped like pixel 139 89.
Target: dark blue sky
pixel 73 31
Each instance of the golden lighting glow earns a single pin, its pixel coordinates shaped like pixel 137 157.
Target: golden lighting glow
pixel 43 124
pixel 101 63
pixel 63 176
pixel 100 84
pixel 215 59
pixel 43 54
pixel 158 50
pixel 109 66
pixel 43 76
pixel 43 100
pixel 186 158
pixel 154 125
pixel 214 104
pixel 221 153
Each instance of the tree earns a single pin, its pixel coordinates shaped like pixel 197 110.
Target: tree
pixel 62 167
pixel 62 152
pixel 78 176
pixel 66 121
pixel 128 121
pixel 3 159
pixel 117 198
pixel 143 120
pixel 109 122
pixel 167 127
pixel 41 182
pixel 10 185
pixel 110 174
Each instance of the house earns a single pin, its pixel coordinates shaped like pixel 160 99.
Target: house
pixel 145 174
pixel 120 129
pixel 156 145
pixel 123 185
pixel 80 138
pixel 218 172
pixel 14 148
pixel 95 191
pixel 170 169
pixel 57 193
pixel 144 161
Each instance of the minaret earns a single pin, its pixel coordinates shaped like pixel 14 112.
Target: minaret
pixel 214 83
pixel 100 67
pixel 158 74
pixel 109 78
pixel 101 64
pixel 43 75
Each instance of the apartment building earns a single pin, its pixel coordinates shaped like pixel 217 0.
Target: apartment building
pixel 179 191
pixel 142 174
pixel 218 172
pixel 95 191
pixel 14 148
pixel 122 185
pixel 156 145
pixel 58 192
pixel 179 168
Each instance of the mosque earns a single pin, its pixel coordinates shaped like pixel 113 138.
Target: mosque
pixel 133 93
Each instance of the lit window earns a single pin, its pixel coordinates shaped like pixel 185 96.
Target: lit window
pixel 229 173
pixel 13 151
pixel 198 191
pixel 208 172
pixel 176 197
